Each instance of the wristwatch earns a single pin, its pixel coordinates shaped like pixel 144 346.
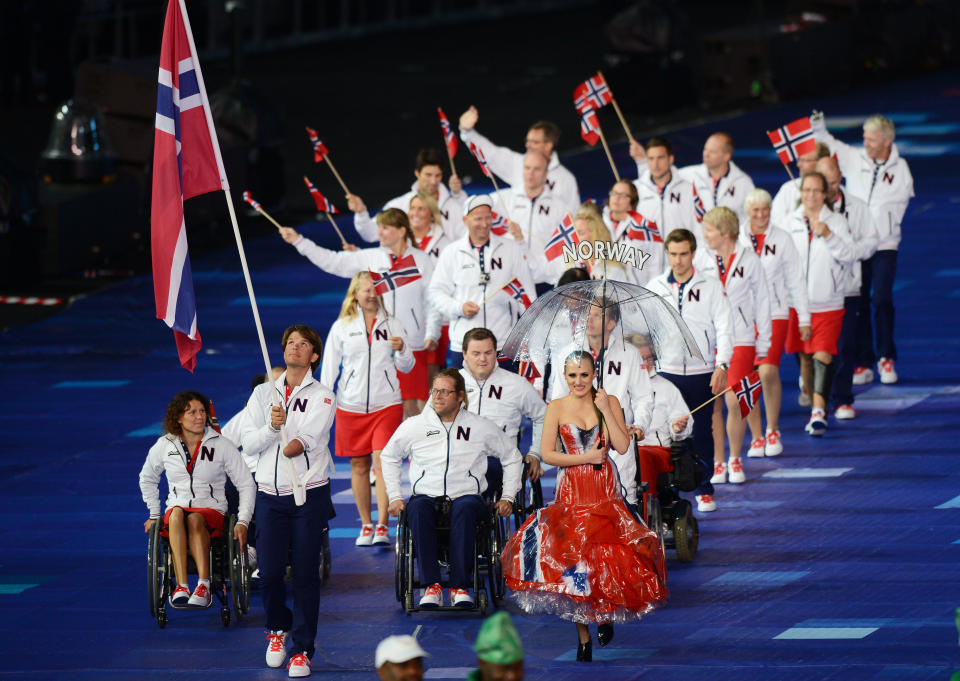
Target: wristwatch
pixel 723 365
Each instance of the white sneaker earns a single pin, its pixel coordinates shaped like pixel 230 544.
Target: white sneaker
pixel 887 372
pixel 180 596
pixel 845 412
pixel 736 475
pixel 817 425
pixel 774 443
pixel 365 538
pixel 298 666
pixel 276 648
pixel 705 503
pixel 757 448
pixel 803 399
pixel 862 376
pixel 432 597
pixel 719 473
pixel 201 596
pixel 461 598
pixel 381 537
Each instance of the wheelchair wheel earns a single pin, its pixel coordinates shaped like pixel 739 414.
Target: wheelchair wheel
pixel 153 571
pixel 482 602
pixel 686 535
pixel 400 565
pixel 655 519
pixel 498 537
pixel 239 575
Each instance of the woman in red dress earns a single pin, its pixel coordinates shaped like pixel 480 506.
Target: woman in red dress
pixel 585 557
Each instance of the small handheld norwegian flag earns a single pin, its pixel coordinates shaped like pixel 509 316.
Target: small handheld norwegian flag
pixel 323 205
pixel 481 159
pixel 319 149
pixel 528 370
pixel 401 273
pixel 499 226
pixel 515 289
pixel 698 207
pixel 592 93
pixel 590 127
pixel 748 393
pixel 793 139
pixel 448 136
pixel 564 235
pixel 248 197
pixel 641 229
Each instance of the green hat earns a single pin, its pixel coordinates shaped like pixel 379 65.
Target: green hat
pixel 498 641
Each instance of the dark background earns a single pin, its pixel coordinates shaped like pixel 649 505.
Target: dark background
pixel 368 75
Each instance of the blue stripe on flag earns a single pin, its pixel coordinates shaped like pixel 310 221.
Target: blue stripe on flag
pixel 165 105
pixel 188 84
pixel 531 552
pixel 186 303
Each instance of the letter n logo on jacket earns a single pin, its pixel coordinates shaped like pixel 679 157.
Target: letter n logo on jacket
pixel 380 334
pixel 737 272
pixel 887 177
pixel 613 367
pixel 496 263
pixel 694 295
pixel 463 433
pixel 300 404
pixel 206 454
pixel 769 250
pixel 674 198
pixel 550 183
pixel 544 210
pixel 730 191
pixel 496 391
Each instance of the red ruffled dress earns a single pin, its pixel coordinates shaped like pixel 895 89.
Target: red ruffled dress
pixel 585 557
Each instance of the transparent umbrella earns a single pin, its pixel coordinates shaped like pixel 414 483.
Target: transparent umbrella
pixel 558 319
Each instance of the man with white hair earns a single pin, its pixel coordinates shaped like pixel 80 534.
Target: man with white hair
pixel 788 196
pixel 508 164
pixel 877 175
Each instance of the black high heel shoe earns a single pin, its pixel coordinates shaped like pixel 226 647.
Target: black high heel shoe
pixel 604 634
pixel 585 652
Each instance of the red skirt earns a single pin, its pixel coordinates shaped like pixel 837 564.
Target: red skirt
pixel 825 329
pixel 359 434
pixel 413 385
pixel 777 341
pixel 653 461
pixel 741 364
pixel 213 518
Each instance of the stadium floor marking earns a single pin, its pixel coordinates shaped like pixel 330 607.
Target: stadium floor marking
pixel 14 589
pixel 824 633
pixel 448 672
pixel 953 503
pixel 761 505
pixel 600 654
pixel 891 398
pixel 154 430
pixel 739 578
pixel 947 273
pixel 92 384
pixel 805 473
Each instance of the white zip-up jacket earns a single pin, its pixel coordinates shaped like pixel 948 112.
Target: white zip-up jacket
pixel 451 212
pixel 449 459
pixel 824 260
pixel 505 398
pixel 203 488
pixel 310 412
pixel 538 218
pixel 624 376
pixel 671 208
pixel 863 233
pixel 747 292
pixel 885 187
pixel 781 264
pixel 368 378
pixel 650 254
pixel 706 311
pixel 508 164
pixel 785 202
pixel 434 242
pixel 459 278
pixel 730 191
pixel 408 303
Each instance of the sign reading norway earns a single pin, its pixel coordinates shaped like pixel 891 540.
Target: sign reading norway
pixel 588 251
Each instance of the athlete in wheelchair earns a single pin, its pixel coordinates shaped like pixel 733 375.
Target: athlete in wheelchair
pixel 446 515
pixel 197 461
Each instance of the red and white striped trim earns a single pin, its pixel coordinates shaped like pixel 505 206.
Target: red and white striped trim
pixel 30 300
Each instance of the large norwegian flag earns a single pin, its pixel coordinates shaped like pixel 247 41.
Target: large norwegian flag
pixel 448 136
pixel 748 393
pixel 319 148
pixel 323 206
pixel 590 127
pixel 401 273
pixel 481 159
pixel 515 289
pixel 564 235
pixel 499 226
pixel 793 139
pixel 641 229
pixel 186 163
pixel 592 93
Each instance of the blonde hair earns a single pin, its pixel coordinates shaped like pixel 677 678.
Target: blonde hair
pixel 348 310
pixel 598 232
pixel 725 220
pixel 431 204
pixel 881 124
pixel 757 197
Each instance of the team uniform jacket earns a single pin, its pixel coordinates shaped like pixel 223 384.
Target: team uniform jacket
pixel 434 242
pixel 538 219
pixel 706 311
pixel 408 303
pixel 459 278
pixel 218 460
pixel 823 261
pixel 730 190
pixel 508 164
pixel 863 233
pixel 672 207
pixel 885 187
pixel 451 212
pixel 310 412
pixel 449 459
pixel 748 294
pixel 652 265
pixel 784 203
pixel 504 398
pixel 781 264
pixel 625 377
pixel 368 378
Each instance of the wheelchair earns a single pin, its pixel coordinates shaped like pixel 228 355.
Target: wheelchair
pixel 529 498
pixel 229 574
pixel 487 568
pixel 665 512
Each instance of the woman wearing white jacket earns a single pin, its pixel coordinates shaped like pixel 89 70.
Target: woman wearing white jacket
pixel 823 241
pixel 197 462
pixel 408 303
pixel 368 349
pixel 788 290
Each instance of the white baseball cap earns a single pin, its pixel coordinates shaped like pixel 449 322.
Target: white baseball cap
pixel 476 201
pixel 398 649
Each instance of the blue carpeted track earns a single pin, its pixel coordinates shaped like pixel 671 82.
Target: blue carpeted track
pixel 837 560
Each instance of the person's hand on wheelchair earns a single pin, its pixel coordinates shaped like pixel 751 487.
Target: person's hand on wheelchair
pixel 504 508
pixel 534 469
pixel 240 533
pixel 395 507
pixel 148 524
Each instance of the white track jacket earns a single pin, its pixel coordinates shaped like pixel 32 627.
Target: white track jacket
pixel 824 260
pixel 538 218
pixel 730 190
pixel 781 263
pixel 451 212
pixel 862 232
pixel 504 398
pixel 671 208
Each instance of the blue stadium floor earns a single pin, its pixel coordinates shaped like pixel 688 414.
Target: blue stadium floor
pixel 837 560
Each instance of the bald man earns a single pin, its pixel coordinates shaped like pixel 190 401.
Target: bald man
pixel 718 180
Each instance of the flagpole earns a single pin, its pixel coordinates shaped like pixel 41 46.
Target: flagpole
pixel 295 481
pixel 326 157
pixel 491 296
pixel 709 401
pixel 267 216
pixel 334 223
pixel 506 210
pixel 453 171
pixel 616 107
pixel 606 148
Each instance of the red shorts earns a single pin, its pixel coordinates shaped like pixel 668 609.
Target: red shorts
pixel 825 328
pixel 653 462
pixel 741 364
pixel 439 356
pixel 213 517
pixel 777 341
pixel 359 434
pixel 413 385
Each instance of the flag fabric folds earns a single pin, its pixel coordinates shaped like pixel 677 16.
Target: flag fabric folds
pixel 564 235
pixel 481 159
pixel 591 94
pixel 401 273
pixel 499 226
pixel 323 205
pixel 748 393
pixel 186 163
pixel 528 370
pixel 515 289
pixel 448 135
pixel 248 197
pixel 590 127
pixel 793 139
pixel 641 229
pixel 319 148
pixel 698 207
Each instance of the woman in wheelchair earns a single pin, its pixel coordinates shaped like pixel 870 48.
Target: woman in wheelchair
pixel 585 557
pixel 197 461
